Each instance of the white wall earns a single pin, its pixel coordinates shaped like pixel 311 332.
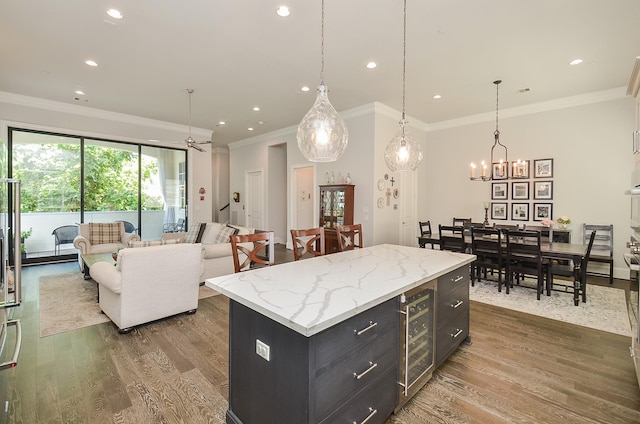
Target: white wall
pixel 591 148
pixel 276 180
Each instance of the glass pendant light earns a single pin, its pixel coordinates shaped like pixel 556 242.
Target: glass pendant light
pixel 403 153
pixel 322 134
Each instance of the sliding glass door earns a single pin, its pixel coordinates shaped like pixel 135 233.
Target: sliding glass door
pixel 68 179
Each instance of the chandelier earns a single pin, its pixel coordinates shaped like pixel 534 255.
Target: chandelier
pixel 499 161
pixel 403 153
pixel 322 134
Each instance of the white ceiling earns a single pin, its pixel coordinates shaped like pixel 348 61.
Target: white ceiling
pixel 237 54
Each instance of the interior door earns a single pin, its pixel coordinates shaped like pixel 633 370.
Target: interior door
pixel 408 208
pixel 255 200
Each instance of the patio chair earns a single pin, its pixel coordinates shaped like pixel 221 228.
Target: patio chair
pixel 63 235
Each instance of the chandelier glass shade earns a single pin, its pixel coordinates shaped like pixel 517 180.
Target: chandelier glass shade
pixel 403 153
pixel 322 134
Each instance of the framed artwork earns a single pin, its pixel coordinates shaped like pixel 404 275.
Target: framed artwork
pixel 499 211
pixel 499 191
pixel 520 169
pixel 542 211
pixel 519 211
pixel 499 171
pixel 520 191
pixel 543 190
pixel 543 168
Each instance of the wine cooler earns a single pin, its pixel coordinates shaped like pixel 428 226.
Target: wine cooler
pixel 417 353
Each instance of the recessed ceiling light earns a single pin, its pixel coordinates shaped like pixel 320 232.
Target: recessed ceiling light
pixel 304 88
pixel 91 63
pixel 250 128
pixel 371 65
pixel 283 11
pixel 260 122
pixel 79 92
pixel 256 109
pixel 222 123
pixel 437 96
pixel 114 13
pixel 575 62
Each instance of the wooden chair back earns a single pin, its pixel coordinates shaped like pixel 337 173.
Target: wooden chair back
pixel 261 254
pixel 602 246
pixel 459 222
pixel 452 238
pixel 486 244
pixel 425 228
pixel 349 236
pixel 524 257
pixel 309 241
pixel 546 233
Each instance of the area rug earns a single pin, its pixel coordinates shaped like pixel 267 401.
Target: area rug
pixel 68 302
pixel 605 309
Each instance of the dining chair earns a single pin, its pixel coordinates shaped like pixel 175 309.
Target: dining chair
pixel 567 270
pixel 451 238
pixel 309 241
pixel 459 222
pixel 349 237
pixel 546 233
pixel 425 231
pixel 524 257
pixel 486 244
pixel 602 247
pixel 260 254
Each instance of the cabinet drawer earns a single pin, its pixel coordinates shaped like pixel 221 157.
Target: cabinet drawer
pixel 453 280
pixel 340 379
pixel 452 305
pixel 450 335
pixel 356 331
pixel 376 401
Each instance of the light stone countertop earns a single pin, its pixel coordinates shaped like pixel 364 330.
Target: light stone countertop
pixel 311 295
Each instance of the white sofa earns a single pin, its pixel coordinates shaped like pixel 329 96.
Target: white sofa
pixel 217 256
pixel 102 238
pixel 149 283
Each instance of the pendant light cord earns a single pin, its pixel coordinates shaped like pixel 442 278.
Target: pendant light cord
pixel 404 58
pixel 322 46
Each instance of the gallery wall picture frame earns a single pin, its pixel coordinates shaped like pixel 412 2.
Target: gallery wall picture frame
pixel 542 211
pixel 499 171
pixel 520 169
pixel 543 168
pixel 499 191
pixel 519 211
pixel 520 190
pixel 543 190
pixel 499 211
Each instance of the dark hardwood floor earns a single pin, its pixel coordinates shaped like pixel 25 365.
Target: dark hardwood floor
pixel 519 368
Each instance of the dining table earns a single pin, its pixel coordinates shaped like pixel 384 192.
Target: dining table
pixel 550 250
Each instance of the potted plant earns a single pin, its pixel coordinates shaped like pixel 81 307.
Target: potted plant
pixel 563 221
pixel 23 236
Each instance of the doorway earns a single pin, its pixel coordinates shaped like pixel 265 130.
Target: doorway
pixel 303 199
pixel 255 200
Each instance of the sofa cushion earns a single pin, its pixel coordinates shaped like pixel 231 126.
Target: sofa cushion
pixel 243 231
pixel 146 243
pixel 193 233
pixel 218 250
pixel 102 233
pixel 223 234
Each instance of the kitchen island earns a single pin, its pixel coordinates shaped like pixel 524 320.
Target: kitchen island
pixel 317 341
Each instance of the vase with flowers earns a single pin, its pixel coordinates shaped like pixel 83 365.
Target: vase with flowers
pixel 563 221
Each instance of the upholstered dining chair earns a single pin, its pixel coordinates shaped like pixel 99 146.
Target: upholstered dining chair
pixel 349 237
pixel 309 241
pixel 261 255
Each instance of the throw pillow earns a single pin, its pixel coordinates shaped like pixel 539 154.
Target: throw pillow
pixel 223 235
pixel 192 234
pixel 203 227
pixel 146 243
pixel 101 233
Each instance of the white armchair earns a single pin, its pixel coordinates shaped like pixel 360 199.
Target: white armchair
pixel 149 283
pixel 94 237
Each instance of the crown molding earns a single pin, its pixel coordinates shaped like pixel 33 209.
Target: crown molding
pixel 51 105
pixel 563 103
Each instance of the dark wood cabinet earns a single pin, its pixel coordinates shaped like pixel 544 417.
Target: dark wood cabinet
pixel 452 313
pixel 336 208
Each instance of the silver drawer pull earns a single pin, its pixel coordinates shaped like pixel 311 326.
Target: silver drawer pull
pixel 371 366
pixel 457 334
pixel 460 302
pixel 458 278
pixel 372 412
pixel 364 330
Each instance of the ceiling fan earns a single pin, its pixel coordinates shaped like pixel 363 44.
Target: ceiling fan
pixel 189 140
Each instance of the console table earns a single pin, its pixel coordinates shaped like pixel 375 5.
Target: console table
pixel 300 331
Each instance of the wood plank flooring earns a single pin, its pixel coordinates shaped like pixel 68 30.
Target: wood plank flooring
pixel 519 368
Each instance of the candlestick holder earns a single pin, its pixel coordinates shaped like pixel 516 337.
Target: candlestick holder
pixel 486 217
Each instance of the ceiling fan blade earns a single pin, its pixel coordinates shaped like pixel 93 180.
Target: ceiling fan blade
pixel 195 146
